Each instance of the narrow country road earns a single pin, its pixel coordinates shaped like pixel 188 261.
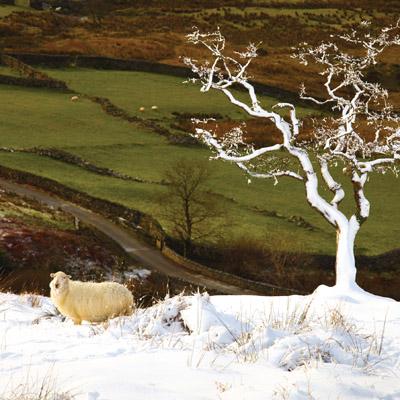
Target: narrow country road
pixel 137 249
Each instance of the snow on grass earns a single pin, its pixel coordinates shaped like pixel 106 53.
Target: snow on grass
pixel 202 347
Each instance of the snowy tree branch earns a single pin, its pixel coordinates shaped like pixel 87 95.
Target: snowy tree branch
pixel 360 107
pixel 275 174
pixel 362 203
pixel 210 139
pixel 333 186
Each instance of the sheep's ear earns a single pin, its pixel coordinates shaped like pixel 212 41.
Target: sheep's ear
pixel 52 275
pixel 69 276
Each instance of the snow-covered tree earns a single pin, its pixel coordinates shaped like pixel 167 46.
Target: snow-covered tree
pixel 362 133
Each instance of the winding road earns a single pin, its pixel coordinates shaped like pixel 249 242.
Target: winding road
pixel 140 251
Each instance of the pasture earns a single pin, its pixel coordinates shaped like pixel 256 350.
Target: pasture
pixel 6 9
pixel 131 90
pixel 44 118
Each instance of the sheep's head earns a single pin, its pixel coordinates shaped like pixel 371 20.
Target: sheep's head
pixel 60 283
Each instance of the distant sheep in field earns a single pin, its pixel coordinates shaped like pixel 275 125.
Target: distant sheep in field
pixel 89 301
pixel 74 98
pixel 141 109
pixel 155 108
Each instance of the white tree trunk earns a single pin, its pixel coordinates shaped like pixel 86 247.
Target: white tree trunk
pixel 337 141
pixel 346 287
pixel 345 260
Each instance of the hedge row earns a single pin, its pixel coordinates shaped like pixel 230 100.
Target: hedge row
pixel 64 156
pixel 142 223
pixel 115 111
pixel 30 82
pixel 63 61
pixel 247 284
pixel 97 62
pixel 30 73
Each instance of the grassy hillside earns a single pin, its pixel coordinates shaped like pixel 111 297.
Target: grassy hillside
pixel 35 117
pixel 132 90
pixel 155 30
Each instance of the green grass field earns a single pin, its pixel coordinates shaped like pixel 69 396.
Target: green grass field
pixel 36 117
pixel 131 90
pixel 8 9
pixel 7 71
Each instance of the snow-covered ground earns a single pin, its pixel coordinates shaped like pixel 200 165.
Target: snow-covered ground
pixel 200 347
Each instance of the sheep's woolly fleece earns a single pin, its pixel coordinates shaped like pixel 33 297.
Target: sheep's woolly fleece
pixel 90 301
pixel 201 347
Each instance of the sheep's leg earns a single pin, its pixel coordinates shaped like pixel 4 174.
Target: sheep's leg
pixel 77 321
pixel 127 311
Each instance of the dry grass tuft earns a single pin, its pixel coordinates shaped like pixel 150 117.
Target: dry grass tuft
pixel 34 300
pixel 42 389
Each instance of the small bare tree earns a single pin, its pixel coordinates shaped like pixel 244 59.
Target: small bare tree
pixel 338 139
pixel 188 206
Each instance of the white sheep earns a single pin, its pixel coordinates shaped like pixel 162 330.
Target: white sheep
pixel 74 98
pixel 155 108
pixel 89 301
pixel 142 109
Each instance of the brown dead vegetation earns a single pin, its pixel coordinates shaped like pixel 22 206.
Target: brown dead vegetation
pixel 262 132
pixel 156 32
pixel 273 261
pixel 36 240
